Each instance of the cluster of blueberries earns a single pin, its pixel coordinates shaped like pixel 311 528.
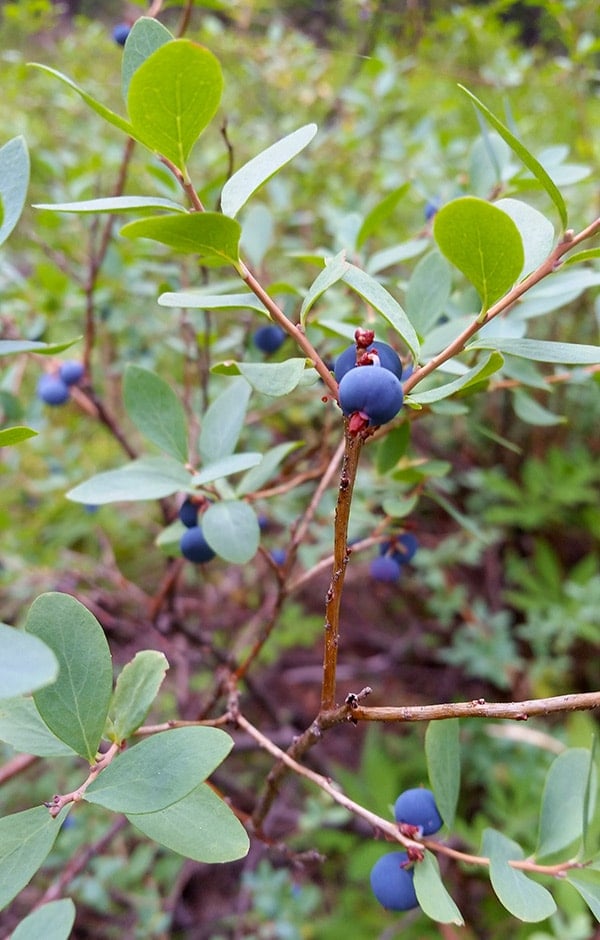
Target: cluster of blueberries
pixel 393 555
pixel 54 388
pixel 373 393
pixel 392 878
pixel 192 544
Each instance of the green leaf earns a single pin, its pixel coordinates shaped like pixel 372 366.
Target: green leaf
pixel 392 447
pixel 51 921
pixel 524 155
pixel 428 292
pixel 196 299
pixel 14 180
pixel 160 770
pixel 223 421
pixel 145 37
pixel 145 478
pixel 109 116
pixel 256 478
pixel 574 354
pixel 239 187
pixel 22 727
pixel 269 378
pixel 521 896
pixel 156 411
pixel 388 257
pixel 173 96
pixel 378 297
pixel 226 466
pixel 9 347
pixel 589 835
pixel 432 896
pixel 442 749
pixel 530 411
pixel 477 374
pixel 113 204
pixel 135 691
pixel 200 826
pixel 483 243
pixel 10 436
pixel 76 705
pixel 231 529
pixel 333 272
pixel 586 882
pixel 588 254
pixel 25 663
pixel 210 235
pixel 380 212
pixel 563 800
pixel 537 232
pixel 25 842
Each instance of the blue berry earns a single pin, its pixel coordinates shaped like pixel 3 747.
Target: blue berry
pixel 373 391
pixel 121 32
pixel 388 358
pixel 402 548
pixel 279 555
pixel 417 807
pixel 431 207
pixel 52 390
pixel 385 568
pixel 194 546
pixel 408 371
pixel 269 338
pixel 71 371
pixel 188 513
pixel 392 883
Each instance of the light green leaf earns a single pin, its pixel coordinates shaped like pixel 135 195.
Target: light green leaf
pixel 563 799
pixel 588 254
pixel 156 411
pixel 269 378
pixel 388 257
pixel 586 882
pixel 173 95
pixel 223 421
pixel 432 896
pixel 258 233
pixel 14 181
pixel 196 299
pixel 442 749
pixel 477 374
pixel 524 155
pixel 10 436
pixel 96 106
pixel 378 297
pixel 256 478
pixel 51 921
pixel 226 466
pixel 160 770
pixel 113 204
pixel 25 842
pixel 25 663
pixel 200 826
pixel 392 447
pixel 537 232
pixel 574 354
pixel 428 292
pixel 333 272
pixel 239 187
pixel 483 243
pixel 145 478
pixel 9 347
pixel 22 727
pixel 76 705
pixel 145 37
pixel 379 213
pixel 521 896
pixel 530 411
pixel 231 529
pixel 210 235
pixel 135 691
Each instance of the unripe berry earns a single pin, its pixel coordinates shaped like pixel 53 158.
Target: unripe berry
pixel 194 546
pixel 52 390
pixel 392 883
pixel 417 807
pixel 269 338
pixel 373 391
pixel 71 371
pixel 388 358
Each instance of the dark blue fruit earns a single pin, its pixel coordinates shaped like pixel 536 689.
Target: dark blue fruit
pixel 402 548
pixel 392 883
pixel 373 391
pixel 194 546
pixel 121 32
pixel 408 371
pixel 385 568
pixel 279 556
pixel 388 358
pixel 269 338
pixel 52 390
pixel 417 807
pixel 431 207
pixel 71 371
pixel 188 513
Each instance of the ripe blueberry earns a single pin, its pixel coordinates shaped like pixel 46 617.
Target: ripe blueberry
pixel 385 568
pixel 373 391
pixel 279 556
pixel 194 546
pixel 52 390
pixel 388 358
pixel 269 338
pixel 71 371
pixel 417 807
pixel 121 32
pixel 431 207
pixel 393 883
pixel 188 513
pixel 402 548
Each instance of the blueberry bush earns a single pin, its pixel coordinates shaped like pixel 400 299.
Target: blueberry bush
pixel 299 386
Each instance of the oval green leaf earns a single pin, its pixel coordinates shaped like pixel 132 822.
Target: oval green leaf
pixel 537 232
pixel 113 204
pixel 10 436
pixel 22 727
pixel 146 478
pixel 522 897
pixel 14 181
pixel 478 373
pixel 483 243
pixel 51 921
pixel 574 354
pixel 232 531
pixel 563 801
pixel 156 411
pixel 25 842
pixel 442 750
pixel 223 421
pixel 378 297
pixel 431 893
pixel 210 235
pixel 26 663
pixel 428 291
pixel 145 37
pixel 135 691
pixel 333 272
pixel 196 299
pixel 224 467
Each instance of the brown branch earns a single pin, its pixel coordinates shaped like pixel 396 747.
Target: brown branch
pixel 479 708
pixel 60 800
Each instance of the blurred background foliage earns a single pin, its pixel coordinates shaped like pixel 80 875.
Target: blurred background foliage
pixel 502 598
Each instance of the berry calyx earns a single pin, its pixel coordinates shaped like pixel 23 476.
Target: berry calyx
pixel 194 546
pixel 392 882
pixel 52 390
pixel 417 808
